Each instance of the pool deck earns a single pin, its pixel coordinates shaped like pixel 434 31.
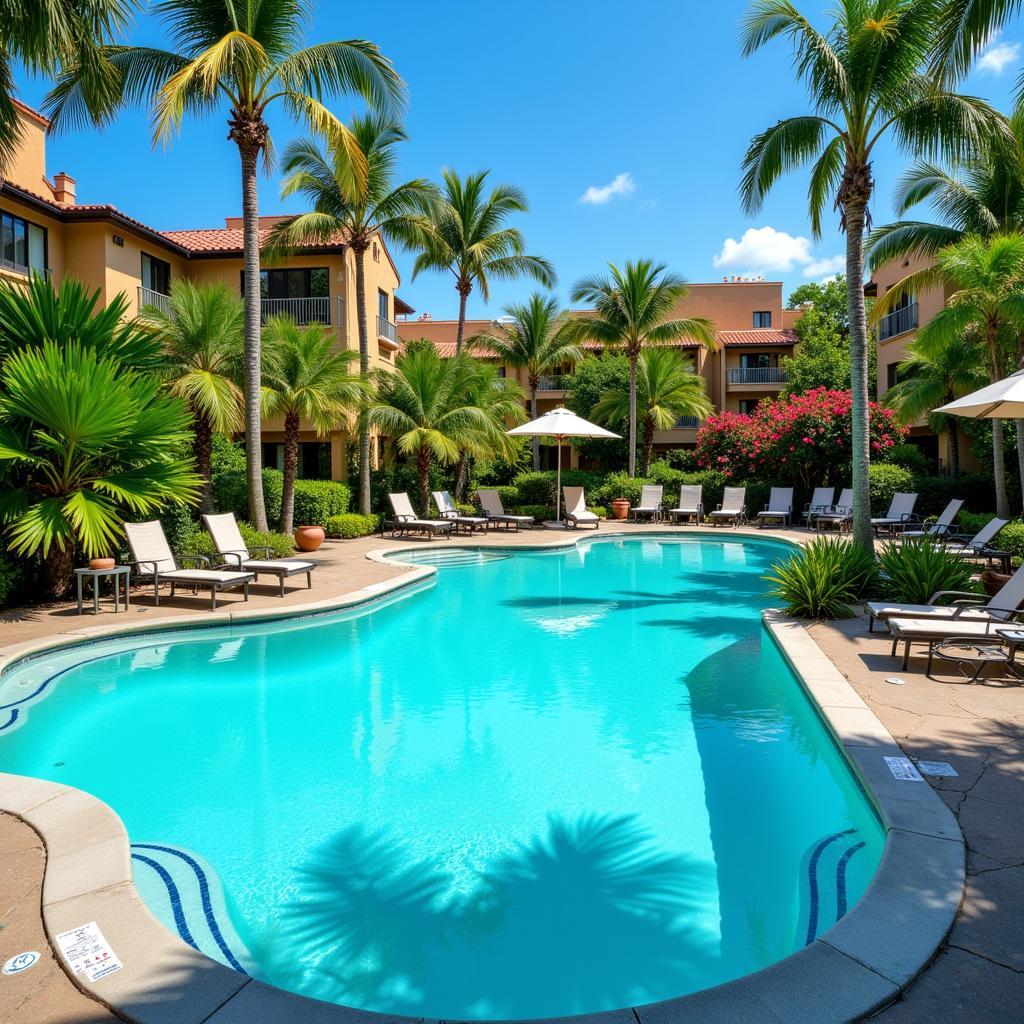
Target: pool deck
pixel 980 730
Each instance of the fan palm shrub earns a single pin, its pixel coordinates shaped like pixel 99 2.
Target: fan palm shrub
pixel 823 578
pixel 911 571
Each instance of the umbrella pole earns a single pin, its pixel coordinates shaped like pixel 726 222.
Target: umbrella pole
pixel 558 482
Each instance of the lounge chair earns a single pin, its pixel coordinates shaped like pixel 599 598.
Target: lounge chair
pixel 576 510
pixel 650 503
pixel 691 504
pixel 733 507
pixel 230 545
pixel 959 604
pixel 900 514
pixel 152 559
pixel 447 509
pixel 941 527
pixel 977 546
pixel 840 515
pixel 934 631
pixel 494 511
pixel 406 519
pixel 821 501
pixel 779 508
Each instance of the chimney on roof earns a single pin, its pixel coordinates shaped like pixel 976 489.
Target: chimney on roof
pixel 64 188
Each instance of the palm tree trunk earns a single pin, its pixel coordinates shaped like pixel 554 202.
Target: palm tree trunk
pixel 464 291
pixel 251 368
pixel 533 416
pixel 291 468
pixel 57 571
pixel 648 444
pixel 954 450
pixel 1019 425
pixel 364 370
pixel 202 452
pixel 998 457
pixel 461 475
pixel 423 471
pixel 632 413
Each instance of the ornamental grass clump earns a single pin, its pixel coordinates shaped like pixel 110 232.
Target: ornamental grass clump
pixel 911 571
pixel 822 579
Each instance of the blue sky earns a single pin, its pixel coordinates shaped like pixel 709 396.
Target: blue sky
pixel 647 115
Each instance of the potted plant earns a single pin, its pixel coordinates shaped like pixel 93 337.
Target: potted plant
pixel 620 508
pixel 309 538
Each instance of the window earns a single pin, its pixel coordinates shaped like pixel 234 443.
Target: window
pixel 298 283
pixel 156 274
pixel 763 318
pixel 382 305
pixel 314 459
pixel 22 245
pixel 894 375
pixel 748 405
pixel 758 360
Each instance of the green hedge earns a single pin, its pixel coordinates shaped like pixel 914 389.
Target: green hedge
pixel 315 500
pixel 539 488
pixel 351 524
pixel 201 543
pixel 885 481
pixel 12 579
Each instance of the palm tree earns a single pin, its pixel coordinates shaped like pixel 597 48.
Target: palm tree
pixel 667 388
pixel 428 408
pixel 631 309
pixel 359 208
pixel 305 378
pixel 201 332
pixel 246 55
pixel 467 237
pixel 866 80
pixel 532 338
pixel 984 279
pixel 933 378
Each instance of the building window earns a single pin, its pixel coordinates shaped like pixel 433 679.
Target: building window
pixel 501 371
pixel 298 283
pixel 22 245
pixel 763 318
pixel 758 360
pixel 382 305
pixel 748 405
pixel 376 253
pixel 314 459
pixel 902 319
pixel 156 274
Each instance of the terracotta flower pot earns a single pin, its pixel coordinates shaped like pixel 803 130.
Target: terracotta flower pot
pixel 101 563
pixel 309 538
pixel 620 508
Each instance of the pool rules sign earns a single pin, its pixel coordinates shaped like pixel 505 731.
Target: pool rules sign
pixel 87 952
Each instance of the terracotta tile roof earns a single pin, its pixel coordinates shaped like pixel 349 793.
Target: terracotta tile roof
pixel 31 112
pixel 225 239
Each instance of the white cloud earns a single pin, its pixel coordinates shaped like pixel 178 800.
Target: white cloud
pixel 762 249
pixel 621 185
pixel 827 265
pixel 997 56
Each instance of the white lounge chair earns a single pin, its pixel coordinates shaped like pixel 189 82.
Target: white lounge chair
pixel 934 631
pixel 977 546
pixel 405 518
pixel 691 504
pixel 230 545
pixel 900 514
pixel 779 508
pixel 733 507
pixel 650 502
pixel 494 511
pixel 941 527
pixel 447 509
pixel 821 501
pixel 576 510
pixel 840 515
pixel 152 559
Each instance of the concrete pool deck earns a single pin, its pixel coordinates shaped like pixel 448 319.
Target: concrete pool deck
pixel 924 837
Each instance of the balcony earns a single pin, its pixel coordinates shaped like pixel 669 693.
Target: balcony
pixel 687 423
pixel 311 309
pixel 552 382
pixel 757 375
pixel 899 321
pixel 387 331
pixel 149 297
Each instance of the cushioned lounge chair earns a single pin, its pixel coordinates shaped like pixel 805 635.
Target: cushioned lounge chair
pixel 733 507
pixel 230 545
pixel 821 501
pixel 576 511
pixel 779 508
pixel 691 504
pixel 934 631
pixel 405 520
pixel 978 546
pixel 152 559
pixel 942 526
pixel 839 516
pixel 494 511
pixel 900 514
pixel 447 509
pixel 650 503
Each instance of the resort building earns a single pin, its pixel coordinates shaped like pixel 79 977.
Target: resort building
pixel 46 230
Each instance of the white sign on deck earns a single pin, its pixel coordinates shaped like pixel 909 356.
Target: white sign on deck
pixel 941 769
pixel 87 952
pixel 902 768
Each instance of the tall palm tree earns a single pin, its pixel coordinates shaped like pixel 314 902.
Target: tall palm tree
pixel 667 388
pixel 201 333
pixel 359 208
pixel 933 377
pixel 305 379
pixel 428 407
pixel 632 307
pixel 245 55
pixel 467 237
pixel 866 79
pixel 984 279
pixel 532 338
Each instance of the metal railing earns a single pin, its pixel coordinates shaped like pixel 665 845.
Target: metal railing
pixel 149 297
pixel 386 329
pixel 687 423
pixel 899 321
pixel 551 382
pixel 312 309
pixel 757 375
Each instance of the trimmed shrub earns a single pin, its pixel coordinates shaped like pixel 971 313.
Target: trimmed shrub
pixel 316 501
pixel 179 524
pixel 351 524
pixel 201 543
pixel 12 579
pixel 1012 539
pixel 540 513
pixel 539 488
pixel 823 578
pixel 976 489
pixel 909 456
pixel 230 493
pixel 509 495
pixel 969 523
pixel 912 570
pixel 885 480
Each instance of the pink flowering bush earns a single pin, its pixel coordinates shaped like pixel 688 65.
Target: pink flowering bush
pixel 801 439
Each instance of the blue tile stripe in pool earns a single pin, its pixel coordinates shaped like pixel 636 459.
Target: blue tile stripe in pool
pixel 815 909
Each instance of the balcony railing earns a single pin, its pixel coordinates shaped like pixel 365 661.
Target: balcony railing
pixel 149 297
pixel 899 321
pixel 687 423
pixel 386 329
pixel 312 309
pixel 757 375
pixel 552 382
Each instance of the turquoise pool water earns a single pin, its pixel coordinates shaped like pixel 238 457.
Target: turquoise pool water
pixel 547 783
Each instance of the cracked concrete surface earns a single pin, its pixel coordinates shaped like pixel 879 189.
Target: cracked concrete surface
pixel 979 729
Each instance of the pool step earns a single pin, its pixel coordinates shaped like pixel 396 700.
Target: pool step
pixel 451 559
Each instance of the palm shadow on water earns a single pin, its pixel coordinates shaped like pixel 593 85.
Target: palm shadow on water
pixel 590 915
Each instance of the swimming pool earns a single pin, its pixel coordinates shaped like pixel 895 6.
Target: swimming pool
pixel 551 782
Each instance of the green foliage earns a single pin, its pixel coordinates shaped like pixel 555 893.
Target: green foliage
pixel 1012 539
pixel 540 513
pixel 828 300
pixel 12 579
pixel 823 578
pixel 912 570
pixel 621 485
pixel 590 379
pixel 201 543
pixel 886 480
pixel 316 501
pixel 539 488
pixel 179 524
pixel 508 493
pixel 351 525
pixel 226 455
pixel 909 456
pixel 230 493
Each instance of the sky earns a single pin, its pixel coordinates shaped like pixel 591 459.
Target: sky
pixel 626 132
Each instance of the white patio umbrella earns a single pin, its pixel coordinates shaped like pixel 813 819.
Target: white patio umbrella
pixel 560 424
pixel 1003 400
